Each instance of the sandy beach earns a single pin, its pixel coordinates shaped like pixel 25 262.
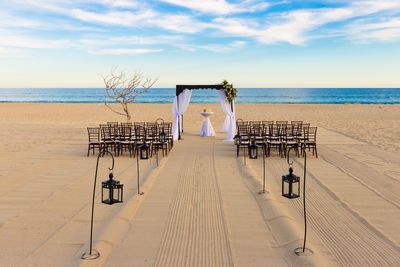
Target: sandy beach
pixel 201 206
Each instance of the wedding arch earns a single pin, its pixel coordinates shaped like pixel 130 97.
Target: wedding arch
pixel 181 103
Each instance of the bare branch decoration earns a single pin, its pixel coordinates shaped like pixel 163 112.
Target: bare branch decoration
pixel 123 89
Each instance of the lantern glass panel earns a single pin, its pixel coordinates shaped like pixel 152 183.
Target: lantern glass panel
pixel 112 191
pixel 144 151
pixel 290 185
pixel 253 151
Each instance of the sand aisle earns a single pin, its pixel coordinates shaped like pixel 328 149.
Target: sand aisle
pixel 199 213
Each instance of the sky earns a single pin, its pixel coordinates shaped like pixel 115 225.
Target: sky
pixel 251 43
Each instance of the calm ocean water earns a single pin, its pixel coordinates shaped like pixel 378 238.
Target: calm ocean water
pixel 248 95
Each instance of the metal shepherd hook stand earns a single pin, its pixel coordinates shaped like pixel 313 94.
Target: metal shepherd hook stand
pixel 264 155
pixel 138 176
pixel 302 251
pixel 143 153
pixel 93 253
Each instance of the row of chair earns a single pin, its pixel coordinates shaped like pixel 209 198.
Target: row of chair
pixel 280 135
pixel 120 137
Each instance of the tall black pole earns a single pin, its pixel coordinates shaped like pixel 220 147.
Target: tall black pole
pixel 263 171
pixel 244 155
pixel 96 254
pixel 138 174
pixel 303 251
pixel 157 155
pixel 304 200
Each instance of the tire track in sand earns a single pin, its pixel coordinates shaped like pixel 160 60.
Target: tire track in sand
pixel 350 239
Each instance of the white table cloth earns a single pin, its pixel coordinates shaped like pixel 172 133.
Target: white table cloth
pixel 207 128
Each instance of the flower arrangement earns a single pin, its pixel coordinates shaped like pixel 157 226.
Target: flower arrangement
pixel 229 90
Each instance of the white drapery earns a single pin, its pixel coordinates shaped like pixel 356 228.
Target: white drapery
pixel 229 125
pixel 180 105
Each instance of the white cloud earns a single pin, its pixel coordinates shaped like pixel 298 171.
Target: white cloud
pixel 20 41
pixel 178 23
pixel 121 3
pixel 386 30
pixel 146 18
pixel 124 51
pixel 218 48
pixel 295 27
pixel 220 7
pixel 157 39
pixel 8 21
pixel 126 18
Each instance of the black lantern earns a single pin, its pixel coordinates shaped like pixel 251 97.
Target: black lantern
pixel 163 137
pixel 112 191
pixel 288 181
pixel 144 151
pixel 253 151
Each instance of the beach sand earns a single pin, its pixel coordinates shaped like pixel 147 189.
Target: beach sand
pixel 201 205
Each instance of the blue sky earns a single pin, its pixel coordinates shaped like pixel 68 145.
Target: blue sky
pixel 252 43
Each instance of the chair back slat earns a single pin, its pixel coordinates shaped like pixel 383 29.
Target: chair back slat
pixel 93 134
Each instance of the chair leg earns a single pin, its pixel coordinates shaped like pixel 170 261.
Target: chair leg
pixel 88 150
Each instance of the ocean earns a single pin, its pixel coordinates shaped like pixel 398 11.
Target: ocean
pixel 245 95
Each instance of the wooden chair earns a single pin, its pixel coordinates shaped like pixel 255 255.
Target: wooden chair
pixel 158 144
pixel 288 141
pixel 273 139
pixel 256 133
pixel 94 139
pixel 301 137
pixel 140 132
pixel 296 127
pixel 125 139
pixel 242 138
pixel 129 124
pixel 159 121
pixel 311 141
pixel 112 123
pixel 108 139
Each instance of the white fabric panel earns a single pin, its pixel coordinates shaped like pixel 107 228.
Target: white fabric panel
pixel 229 125
pixel 180 105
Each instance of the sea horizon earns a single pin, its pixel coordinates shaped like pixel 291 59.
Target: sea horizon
pixel 246 95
